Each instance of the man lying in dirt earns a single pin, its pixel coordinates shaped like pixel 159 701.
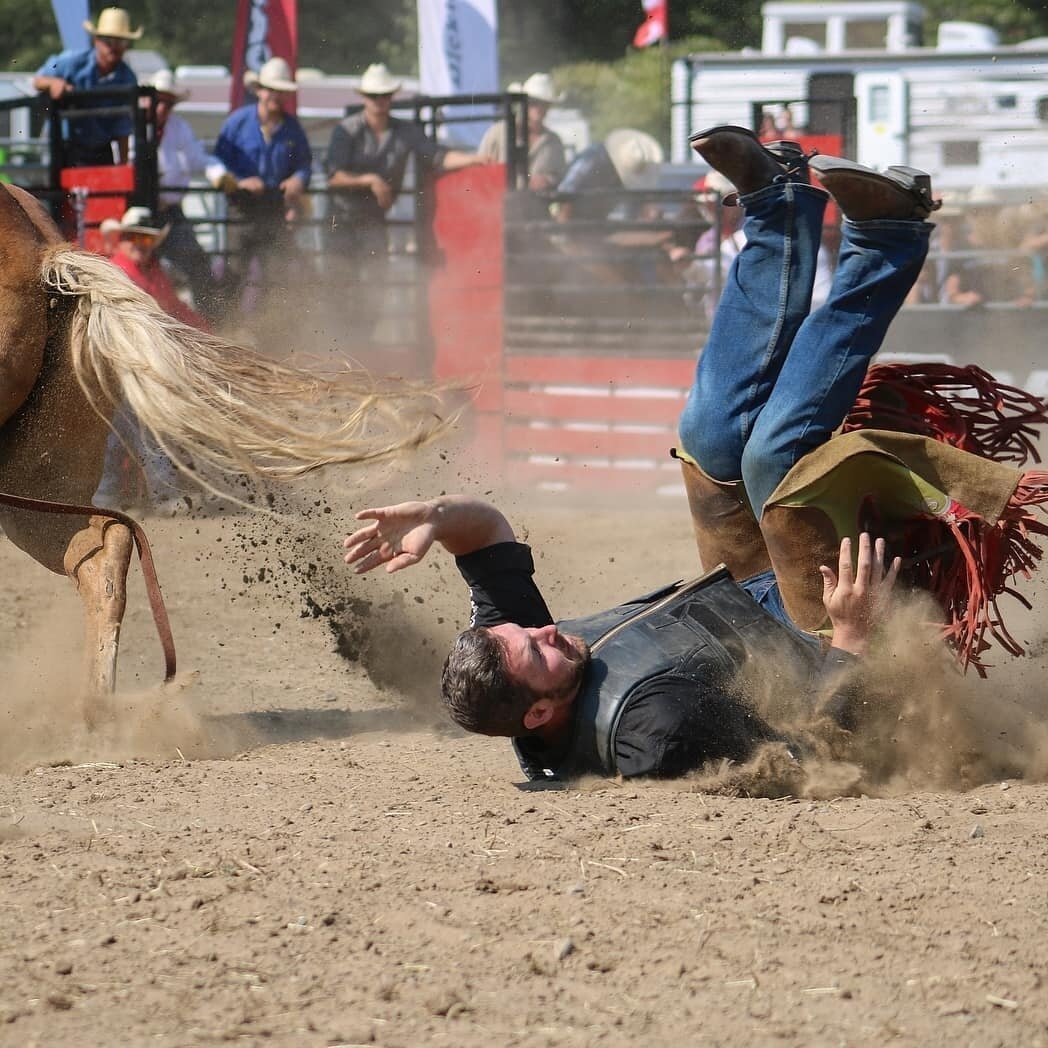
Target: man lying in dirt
pixel 647 688
pixel 642 689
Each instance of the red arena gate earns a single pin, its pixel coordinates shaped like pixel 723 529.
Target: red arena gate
pixel 571 392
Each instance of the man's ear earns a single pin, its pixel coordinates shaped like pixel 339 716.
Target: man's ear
pixel 538 713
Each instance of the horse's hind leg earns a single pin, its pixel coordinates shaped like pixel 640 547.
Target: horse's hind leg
pixel 97 560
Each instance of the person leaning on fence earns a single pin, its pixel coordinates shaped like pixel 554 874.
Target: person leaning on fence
pixel 546 163
pixel 180 156
pixel 367 159
pixel 90 140
pixel 266 150
pixel 626 160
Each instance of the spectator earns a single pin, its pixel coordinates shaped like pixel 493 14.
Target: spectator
pixel 138 239
pixel 626 159
pixel 267 152
pixel 89 141
pixel 366 162
pixel 546 164
pixel 180 156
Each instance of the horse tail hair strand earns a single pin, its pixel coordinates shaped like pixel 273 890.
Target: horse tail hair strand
pixel 210 403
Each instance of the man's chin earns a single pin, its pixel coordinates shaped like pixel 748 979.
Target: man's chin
pixel 580 650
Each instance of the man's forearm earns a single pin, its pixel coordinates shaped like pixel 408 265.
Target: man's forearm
pixel 348 180
pixel 463 524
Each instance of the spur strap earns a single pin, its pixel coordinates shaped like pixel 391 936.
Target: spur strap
pixel 145 556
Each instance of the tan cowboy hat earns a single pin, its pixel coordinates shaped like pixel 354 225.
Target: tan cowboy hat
pixel 163 82
pixel 113 21
pixel 377 80
pixel 136 220
pixel 275 75
pixel 539 86
pixel 634 155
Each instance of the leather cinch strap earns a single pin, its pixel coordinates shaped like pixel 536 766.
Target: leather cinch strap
pixel 145 555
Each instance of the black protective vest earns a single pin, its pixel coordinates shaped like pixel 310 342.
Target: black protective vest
pixel 703 629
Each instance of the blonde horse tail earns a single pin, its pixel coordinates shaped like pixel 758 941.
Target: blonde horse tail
pixel 212 404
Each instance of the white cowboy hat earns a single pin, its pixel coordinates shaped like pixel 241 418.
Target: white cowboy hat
pixel 136 220
pixel 275 75
pixel 634 155
pixel 113 21
pixel 377 80
pixel 539 86
pixel 163 82
pixel 985 196
pixel 715 182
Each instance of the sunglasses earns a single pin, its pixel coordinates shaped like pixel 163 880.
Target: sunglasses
pixel 117 43
pixel 140 239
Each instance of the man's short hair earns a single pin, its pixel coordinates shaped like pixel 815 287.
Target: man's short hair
pixel 477 689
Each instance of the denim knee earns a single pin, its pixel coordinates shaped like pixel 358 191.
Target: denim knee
pixel 763 467
pixel 713 442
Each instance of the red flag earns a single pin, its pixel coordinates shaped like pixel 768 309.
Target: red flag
pixel 265 29
pixel 656 24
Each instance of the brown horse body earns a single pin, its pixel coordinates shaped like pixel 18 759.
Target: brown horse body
pixel 75 338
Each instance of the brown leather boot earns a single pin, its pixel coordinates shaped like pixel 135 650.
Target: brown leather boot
pixel 737 153
pixel 863 194
pixel 799 540
pixel 726 530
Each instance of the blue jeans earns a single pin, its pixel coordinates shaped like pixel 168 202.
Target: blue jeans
pixel 774 382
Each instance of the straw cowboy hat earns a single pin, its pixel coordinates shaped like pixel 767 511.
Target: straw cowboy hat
pixel 539 86
pixel 377 80
pixel 113 21
pixel 136 220
pixel 275 75
pixel 634 155
pixel 163 82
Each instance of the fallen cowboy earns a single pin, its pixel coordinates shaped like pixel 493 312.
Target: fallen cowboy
pixel 647 688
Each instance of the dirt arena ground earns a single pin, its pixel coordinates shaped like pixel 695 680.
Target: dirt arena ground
pixel 290 848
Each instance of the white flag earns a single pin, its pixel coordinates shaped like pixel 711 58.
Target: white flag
pixel 459 55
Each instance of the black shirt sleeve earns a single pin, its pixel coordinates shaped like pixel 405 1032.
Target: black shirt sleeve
pixel 338 154
pixel 502 587
pixel 673 725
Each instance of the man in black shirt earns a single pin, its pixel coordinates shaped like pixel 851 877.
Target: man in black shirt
pixel 553 687
pixel 367 160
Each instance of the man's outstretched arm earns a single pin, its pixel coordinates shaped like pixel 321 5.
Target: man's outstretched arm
pixel 400 536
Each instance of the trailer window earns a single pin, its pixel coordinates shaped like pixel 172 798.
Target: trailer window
pixel 961 154
pixel 814 31
pixel 1042 110
pixel 866 34
pixel 880 104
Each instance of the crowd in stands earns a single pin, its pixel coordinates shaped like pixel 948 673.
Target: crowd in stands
pixel 263 163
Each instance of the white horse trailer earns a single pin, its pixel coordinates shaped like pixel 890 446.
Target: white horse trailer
pixel 970 111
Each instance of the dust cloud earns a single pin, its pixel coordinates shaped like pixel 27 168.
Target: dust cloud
pixel 920 723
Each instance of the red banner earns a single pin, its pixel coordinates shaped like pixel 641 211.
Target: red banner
pixel 265 29
pixel 656 24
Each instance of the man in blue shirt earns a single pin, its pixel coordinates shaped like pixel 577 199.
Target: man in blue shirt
pixel 89 141
pixel 267 152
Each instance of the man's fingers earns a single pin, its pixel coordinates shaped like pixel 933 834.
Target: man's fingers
pixel 829 581
pixel 844 562
pixel 401 561
pixel 864 561
pixel 359 536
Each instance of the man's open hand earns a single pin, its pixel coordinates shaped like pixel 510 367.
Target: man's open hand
pixel 856 600
pixel 399 536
